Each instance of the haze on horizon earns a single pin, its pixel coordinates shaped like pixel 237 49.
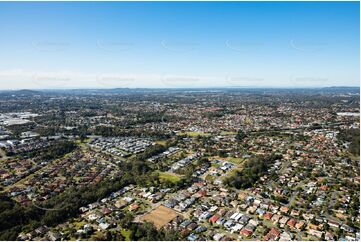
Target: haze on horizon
pixel 178 44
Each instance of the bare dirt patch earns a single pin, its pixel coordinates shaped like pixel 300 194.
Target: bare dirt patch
pixel 160 216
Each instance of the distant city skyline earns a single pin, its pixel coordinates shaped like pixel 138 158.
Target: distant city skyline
pixel 46 45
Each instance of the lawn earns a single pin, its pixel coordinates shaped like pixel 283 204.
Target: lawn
pixel 228 133
pixel 235 160
pixel 126 234
pixel 174 178
pixel 79 142
pixel 194 134
pixel 78 224
pixel 161 142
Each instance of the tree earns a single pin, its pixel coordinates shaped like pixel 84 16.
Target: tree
pixel 240 135
pixel 82 137
pixel 252 171
pixel 126 221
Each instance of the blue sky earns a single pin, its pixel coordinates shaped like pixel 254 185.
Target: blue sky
pixel 179 44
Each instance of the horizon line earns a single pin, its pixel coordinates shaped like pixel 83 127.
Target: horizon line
pixel 174 88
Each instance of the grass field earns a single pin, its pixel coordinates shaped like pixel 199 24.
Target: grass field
pixel 78 224
pixel 79 142
pixel 228 133
pixel 194 134
pixel 235 160
pixel 126 234
pixel 161 142
pixel 174 178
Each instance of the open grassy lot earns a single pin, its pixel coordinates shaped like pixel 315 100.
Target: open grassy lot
pixel 169 176
pixel 235 160
pixel 194 134
pixel 126 234
pixel 161 142
pixel 78 224
pixel 228 133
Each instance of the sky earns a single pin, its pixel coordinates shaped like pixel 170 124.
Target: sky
pixel 178 44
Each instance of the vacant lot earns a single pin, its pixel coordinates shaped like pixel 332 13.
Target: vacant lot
pixel 194 134
pixel 160 216
pixel 172 177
